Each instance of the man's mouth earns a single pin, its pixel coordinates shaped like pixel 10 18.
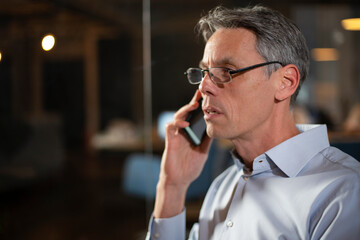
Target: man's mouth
pixel 211 112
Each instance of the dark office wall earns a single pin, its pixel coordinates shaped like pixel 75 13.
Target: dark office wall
pixel 5 87
pixel 63 94
pixel 114 79
pixel 171 56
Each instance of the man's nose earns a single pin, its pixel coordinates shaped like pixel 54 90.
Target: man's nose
pixel 207 86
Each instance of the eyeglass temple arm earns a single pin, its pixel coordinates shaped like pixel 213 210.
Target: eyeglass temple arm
pixel 254 66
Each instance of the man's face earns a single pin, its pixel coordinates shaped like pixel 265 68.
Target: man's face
pixel 244 106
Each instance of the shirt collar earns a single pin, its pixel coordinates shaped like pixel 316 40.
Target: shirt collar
pixel 237 160
pixel 293 154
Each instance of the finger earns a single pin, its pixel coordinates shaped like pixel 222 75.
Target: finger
pixel 184 111
pixel 196 97
pixel 171 130
pixel 179 123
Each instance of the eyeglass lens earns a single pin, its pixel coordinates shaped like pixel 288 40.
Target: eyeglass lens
pixel 194 75
pixel 220 75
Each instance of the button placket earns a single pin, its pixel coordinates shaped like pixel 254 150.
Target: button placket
pixel 229 221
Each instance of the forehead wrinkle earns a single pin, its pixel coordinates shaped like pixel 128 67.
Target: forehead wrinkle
pixel 225 61
pixel 218 63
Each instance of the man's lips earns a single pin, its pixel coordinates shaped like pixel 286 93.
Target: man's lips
pixel 211 112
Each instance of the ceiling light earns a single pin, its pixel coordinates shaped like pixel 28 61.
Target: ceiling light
pixel 324 54
pixel 48 42
pixel 351 24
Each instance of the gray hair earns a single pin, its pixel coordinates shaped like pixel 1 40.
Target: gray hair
pixel 278 38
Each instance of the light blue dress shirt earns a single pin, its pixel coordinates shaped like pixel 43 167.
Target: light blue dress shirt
pixel 300 189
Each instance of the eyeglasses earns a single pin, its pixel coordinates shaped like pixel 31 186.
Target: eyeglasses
pixel 219 74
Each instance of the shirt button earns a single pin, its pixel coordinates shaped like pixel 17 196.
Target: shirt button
pixel 156 235
pixel 229 224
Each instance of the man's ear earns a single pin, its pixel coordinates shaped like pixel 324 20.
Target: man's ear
pixel 290 78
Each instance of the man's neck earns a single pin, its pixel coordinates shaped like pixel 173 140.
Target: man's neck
pixel 264 138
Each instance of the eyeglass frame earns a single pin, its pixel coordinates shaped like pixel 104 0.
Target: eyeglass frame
pixel 230 71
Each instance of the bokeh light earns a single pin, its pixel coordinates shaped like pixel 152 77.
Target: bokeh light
pixel 48 42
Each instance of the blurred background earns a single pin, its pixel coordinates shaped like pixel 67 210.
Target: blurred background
pixel 82 107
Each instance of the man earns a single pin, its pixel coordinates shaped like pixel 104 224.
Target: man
pixel 286 181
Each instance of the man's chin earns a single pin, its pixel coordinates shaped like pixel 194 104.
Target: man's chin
pixel 212 133
pixel 219 133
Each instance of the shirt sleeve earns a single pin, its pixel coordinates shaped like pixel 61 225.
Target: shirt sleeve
pixel 340 219
pixel 167 228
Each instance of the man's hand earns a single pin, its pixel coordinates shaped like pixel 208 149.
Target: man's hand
pixel 181 164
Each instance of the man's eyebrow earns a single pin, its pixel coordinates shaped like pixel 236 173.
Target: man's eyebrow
pixel 221 62
pixel 202 64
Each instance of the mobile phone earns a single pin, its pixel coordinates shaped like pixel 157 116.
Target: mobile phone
pixel 196 131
